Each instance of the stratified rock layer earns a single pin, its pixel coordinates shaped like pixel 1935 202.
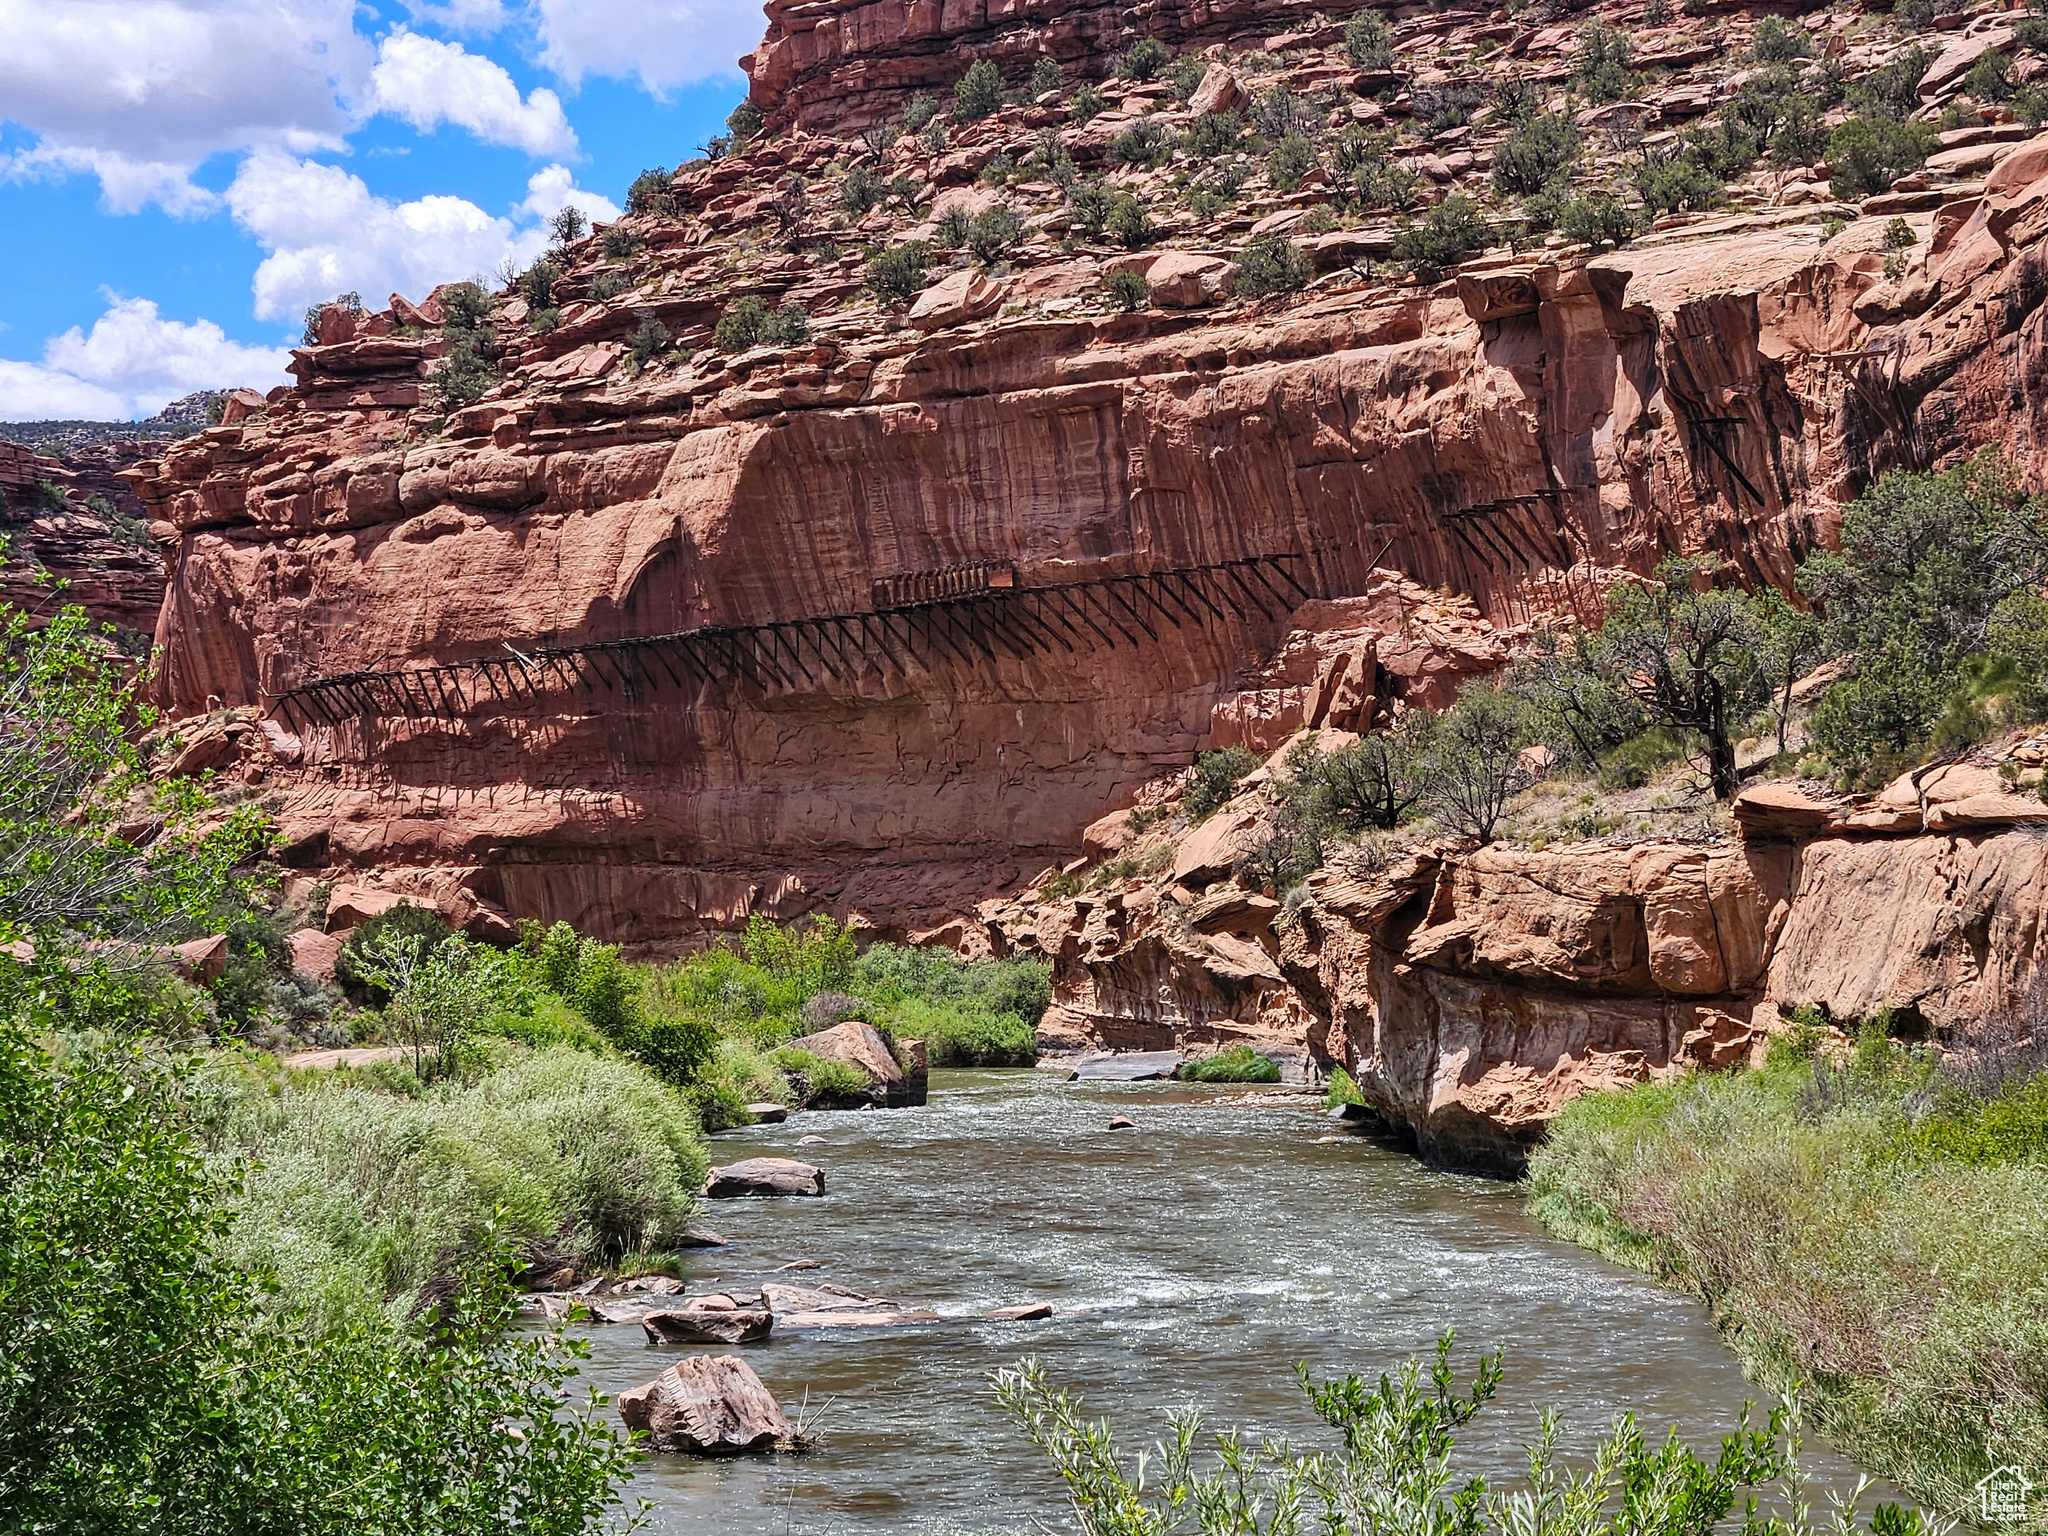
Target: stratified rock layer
pixel 1471 993
pixel 1454 461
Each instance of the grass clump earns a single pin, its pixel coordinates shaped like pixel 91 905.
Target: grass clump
pixel 356 1198
pixel 1232 1064
pixel 1874 1226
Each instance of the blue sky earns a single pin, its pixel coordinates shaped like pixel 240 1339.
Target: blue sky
pixel 181 178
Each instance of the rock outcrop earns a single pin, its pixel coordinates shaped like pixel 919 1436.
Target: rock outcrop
pixel 1471 993
pixel 1446 462
pixel 71 519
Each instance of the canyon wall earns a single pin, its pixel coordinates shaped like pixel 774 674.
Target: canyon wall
pixel 1448 462
pixel 1470 993
pixel 85 531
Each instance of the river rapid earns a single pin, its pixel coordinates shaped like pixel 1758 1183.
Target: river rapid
pixel 1196 1257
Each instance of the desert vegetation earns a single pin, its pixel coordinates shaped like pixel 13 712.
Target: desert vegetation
pixel 1862 1214
pixel 1930 616
pixel 197 1342
pixel 1391 1470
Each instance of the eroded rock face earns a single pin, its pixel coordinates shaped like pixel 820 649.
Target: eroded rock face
pixel 71 519
pixel 1472 993
pixel 1454 462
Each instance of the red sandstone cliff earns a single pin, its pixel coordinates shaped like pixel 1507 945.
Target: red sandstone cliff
pixel 1455 460
pixel 72 519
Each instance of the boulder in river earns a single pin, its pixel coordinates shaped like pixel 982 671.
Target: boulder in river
pixel 764 1176
pixel 697 1237
pixel 1122 1123
pixel 832 1306
pixel 708 1405
pixel 714 1319
pixel 1349 1114
pixel 1126 1067
pixel 766 1113
pixel 861 1047
pixel 1030 1311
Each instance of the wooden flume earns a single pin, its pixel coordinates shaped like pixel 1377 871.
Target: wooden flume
pixel 962 615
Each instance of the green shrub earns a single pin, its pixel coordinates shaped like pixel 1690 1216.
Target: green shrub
pixel 1777 42
pixel 1214 781
pixel 1292 159
pixel 895 273
pixel 918 112
pixel 1088 103
pixel 1343 1090
pixel 1045 76
pixel 153 1389
pixel 1892 90
pixel 1535 154
pixel 1187 73
pixel 1443 237
pixel 1279 114
pixel 1668 182
pixel 1596 221
pixel 406 920
pixel 1641 758
pixel 860 189
pixel 992 232
pixel 1145 60
pixel 978 92
pixel 1213 134
pixel 1233 1064
pixel 1144 143
pixel 743 122
pixel 650 193
pixel 1391 1468
pixel 1912 1205
pixel 1126 290
pixel 1127 222
pixel 1990 78
pixel 649 339
pixel 1369 41
pixel 1271 264
pixel 1600 67
pixel 356 1198
pixel 748 322
pixel 1926 560
pixel 1867 154
pixel 1088 205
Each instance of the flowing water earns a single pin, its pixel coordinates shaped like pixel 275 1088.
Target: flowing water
pixel 1198 1257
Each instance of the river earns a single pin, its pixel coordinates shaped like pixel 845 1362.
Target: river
pixel 1198 1256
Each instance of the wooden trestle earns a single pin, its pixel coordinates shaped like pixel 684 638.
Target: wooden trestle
pixel 962 615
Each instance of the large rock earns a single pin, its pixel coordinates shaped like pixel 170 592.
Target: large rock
pixel 713 1319
pixel 861 1047
pixel 708 1405
pixel 954 300
pixel 1185 280
pixel 764 1176
pixel 831 1306
pixel 1220 91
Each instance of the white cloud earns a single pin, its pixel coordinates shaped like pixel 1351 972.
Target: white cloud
pixel 662 43
pixel 552 189
pixel 327 233
pixel 428 83
pixel 140 92
pixel 132 363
